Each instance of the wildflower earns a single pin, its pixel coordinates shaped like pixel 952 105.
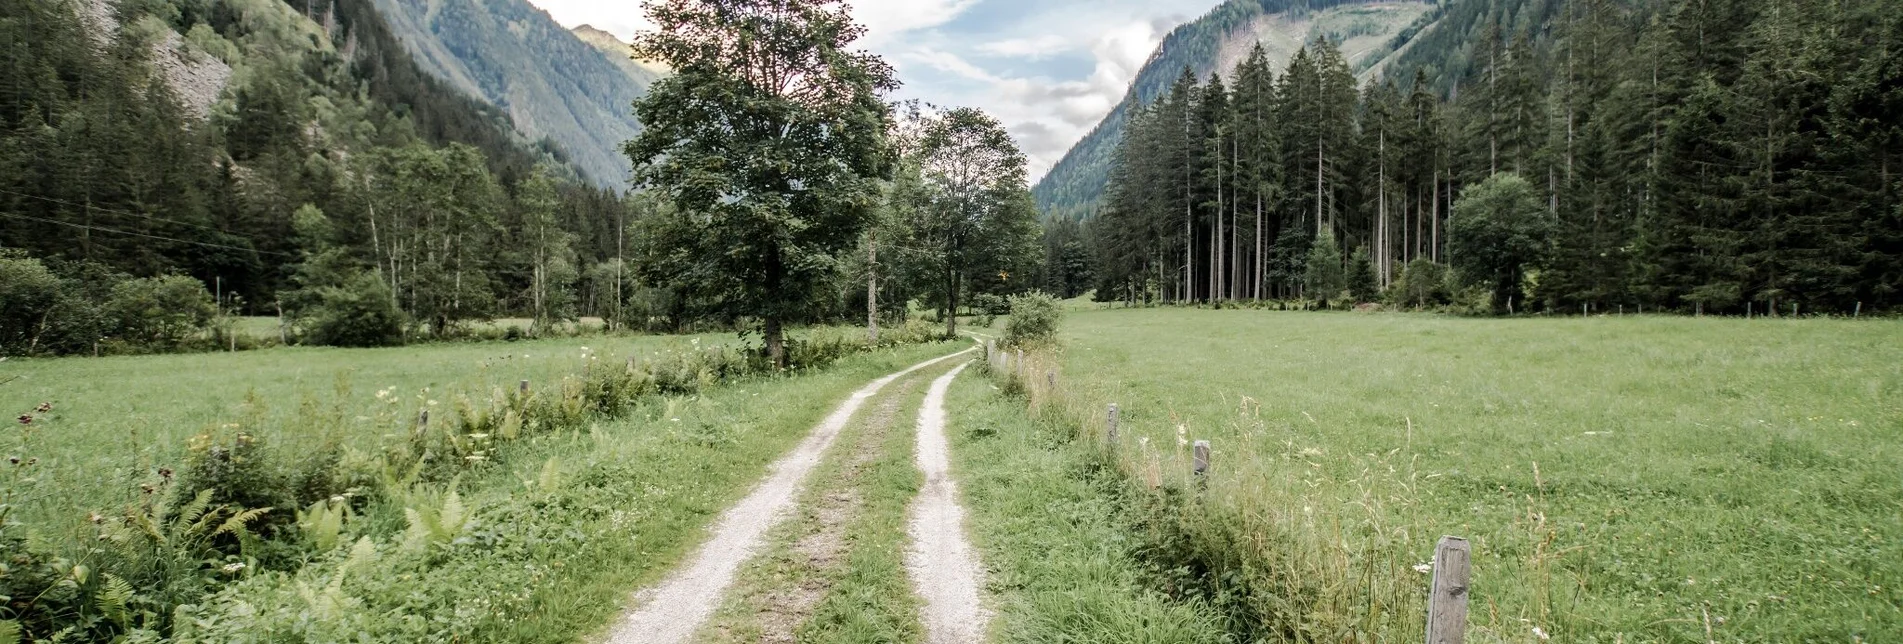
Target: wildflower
pixel 1143 441
pixel 234 568
pixel 95 517
pixel 1182 435
pixel 475 458
pixel 44 407
pixel 432 403
pixel 147 487
pixel 1423 568
pixel 26 419
pixel 1537 632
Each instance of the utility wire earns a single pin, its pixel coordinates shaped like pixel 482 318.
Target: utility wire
pixel 127 232
pixel 110 210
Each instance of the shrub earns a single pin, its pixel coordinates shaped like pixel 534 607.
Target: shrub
pixel 1423 284
pixel 161 311
pixel 1034 318
pixel 28 293
pixel 361 313
pixel 988 303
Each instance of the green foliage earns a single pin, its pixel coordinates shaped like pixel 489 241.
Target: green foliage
pixel 1361 281
pixel 28 294
pixel 1324 280
pixel 1423 285
pixel 973 213
pixel 1498 233
pixel 1034 320
pixel 743 240
pixel 360 312
pixel 161 310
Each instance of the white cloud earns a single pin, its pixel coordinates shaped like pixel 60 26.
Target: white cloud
pixel 887 19
pixel 949 62
pixel 1028 48
pixel 1015 59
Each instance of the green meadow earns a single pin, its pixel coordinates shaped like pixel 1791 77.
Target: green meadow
pixel 116 420
pixel 1621 478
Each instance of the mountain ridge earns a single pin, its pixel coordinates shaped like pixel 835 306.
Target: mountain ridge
pixel 552 82
pixel 1376 33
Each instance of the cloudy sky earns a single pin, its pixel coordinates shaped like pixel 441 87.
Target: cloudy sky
pixel 1049 69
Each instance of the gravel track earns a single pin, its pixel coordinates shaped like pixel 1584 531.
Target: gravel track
pixel 944 568
pixel 670 612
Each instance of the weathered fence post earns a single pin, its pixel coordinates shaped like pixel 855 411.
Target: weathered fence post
pixel 1447 605
pixel 523 388
pixel 1111 435
pixel 422 420
pixel 1859 312
pixel 1200 464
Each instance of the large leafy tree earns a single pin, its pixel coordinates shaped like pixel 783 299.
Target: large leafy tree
pixel 1498 232
pixel 977 219
pixel 769 140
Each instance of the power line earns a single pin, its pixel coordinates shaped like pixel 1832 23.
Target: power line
pixel 127 232
pixel 110 210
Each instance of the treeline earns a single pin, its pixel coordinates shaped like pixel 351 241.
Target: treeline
pixel 325 156
pixel 1711 156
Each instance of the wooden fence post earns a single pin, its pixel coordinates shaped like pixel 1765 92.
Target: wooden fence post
pixel 1447 605
pixel 1201 460
pixel 422 420
pixel 1859 312
pixel 1112 434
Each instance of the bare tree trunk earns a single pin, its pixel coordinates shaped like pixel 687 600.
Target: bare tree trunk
pixel 872 288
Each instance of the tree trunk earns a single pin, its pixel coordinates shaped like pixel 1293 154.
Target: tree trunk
pixel 951 304
pixel 872 289
pixel 775 341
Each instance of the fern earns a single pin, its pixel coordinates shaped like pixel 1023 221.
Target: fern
pixel 9 632
pixel 113 596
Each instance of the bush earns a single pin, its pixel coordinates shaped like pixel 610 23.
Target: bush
pixel 1423 284
pixel 161 311
pixel 28 293
pixel 361 313
pixel 1034 318
pixel 990 304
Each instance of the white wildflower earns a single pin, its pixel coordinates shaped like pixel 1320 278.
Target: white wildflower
pixel 1423 568
pixel 233 568
pixel 1537 632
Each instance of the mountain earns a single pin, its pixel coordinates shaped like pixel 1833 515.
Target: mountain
pixel 616 50
pixel 1372 36
pixel 553 84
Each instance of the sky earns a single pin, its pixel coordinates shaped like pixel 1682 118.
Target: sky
pixel 1048 69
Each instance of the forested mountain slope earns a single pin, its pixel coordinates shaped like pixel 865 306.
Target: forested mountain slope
pixel 550 83
pixel 1371 32
pixel 323 140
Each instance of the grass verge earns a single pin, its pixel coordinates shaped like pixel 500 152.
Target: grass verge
pixel 1047 518
pixel 546 546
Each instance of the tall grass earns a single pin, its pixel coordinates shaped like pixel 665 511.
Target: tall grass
pixel 1642 479
pixel 247 503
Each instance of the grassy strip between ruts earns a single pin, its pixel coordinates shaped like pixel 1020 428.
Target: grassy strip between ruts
pixel 781 589
pixel 872 601
pixel 546 546
pixel 1046 520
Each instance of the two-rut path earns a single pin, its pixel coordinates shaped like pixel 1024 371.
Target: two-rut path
pixel 944 568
